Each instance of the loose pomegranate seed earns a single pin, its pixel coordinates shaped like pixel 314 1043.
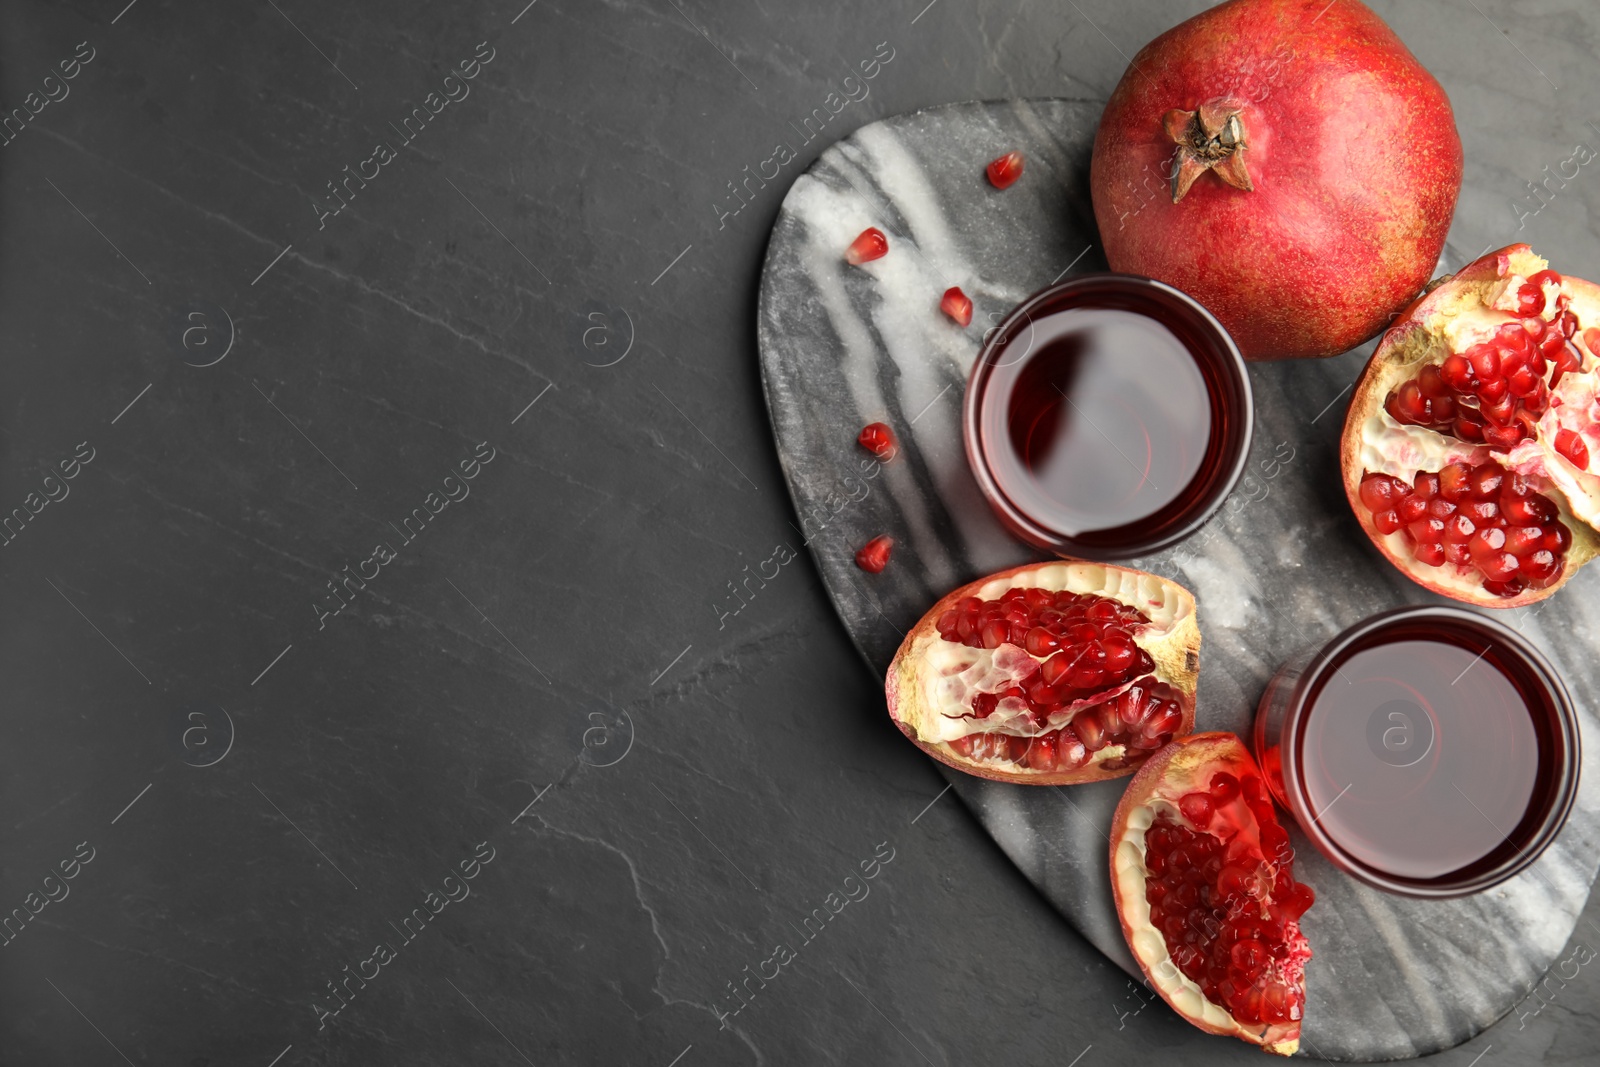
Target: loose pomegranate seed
pixel 1479 519
pixel 878 439
pixel 873 556
pixel 1228 910
pixel 956 304
pixel 870 245
pixel 1570 445
pixel 1004 172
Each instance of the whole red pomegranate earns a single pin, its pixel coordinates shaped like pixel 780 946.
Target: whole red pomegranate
pixel 1288 163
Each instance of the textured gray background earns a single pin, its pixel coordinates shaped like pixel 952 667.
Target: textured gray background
pixel 568 614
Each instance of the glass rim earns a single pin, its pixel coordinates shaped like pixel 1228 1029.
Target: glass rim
pixel 1566 734
pixel 1228 359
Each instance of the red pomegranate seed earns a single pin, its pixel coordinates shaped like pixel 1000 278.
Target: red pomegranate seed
pixel 1570 445
pixel 1539 567
pixel 870 245
pixel 1453 481
pixel 1380 492
pixel 1503 438
pixel 1486 481
pixel 1197 808
pixel 1543 278
pixel 1224 787
pixel 1457 529
pixel 1530 299
pixel 1431 553
pixel 1523 541
pixel 1506 589
pixel 1004 172
pixel 957 306
pixel 878 439
pixel 1499 566
pixel 873 556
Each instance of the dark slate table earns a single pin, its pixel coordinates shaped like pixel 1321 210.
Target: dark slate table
pixel 409 655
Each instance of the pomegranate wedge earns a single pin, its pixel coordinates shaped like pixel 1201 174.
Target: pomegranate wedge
pixel 1049 674
pixel 1466 451
pixel 1203 879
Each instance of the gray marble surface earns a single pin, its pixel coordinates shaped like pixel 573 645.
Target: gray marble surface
pixel 1283 566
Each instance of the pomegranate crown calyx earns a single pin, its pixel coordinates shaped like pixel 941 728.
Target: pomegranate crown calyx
pixel 1210 138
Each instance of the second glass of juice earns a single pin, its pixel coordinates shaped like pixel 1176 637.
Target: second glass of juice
pixel 1428 751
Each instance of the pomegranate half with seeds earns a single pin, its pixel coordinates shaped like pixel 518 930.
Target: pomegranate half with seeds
pixel 1471 451
pixel 1050 674
pixel 1203 878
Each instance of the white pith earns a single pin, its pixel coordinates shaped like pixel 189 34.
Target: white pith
pixel 1149 945
pixel 951 674
pixel 1472 313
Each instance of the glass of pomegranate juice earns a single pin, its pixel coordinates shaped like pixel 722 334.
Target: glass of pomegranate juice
pixel 1427 751
pixel 1107 417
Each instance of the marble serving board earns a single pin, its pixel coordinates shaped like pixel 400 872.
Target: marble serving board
pixel 1283 566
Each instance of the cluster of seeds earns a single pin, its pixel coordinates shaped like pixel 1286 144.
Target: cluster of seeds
pixel 1083 645
pixel 1088 640
pixel 1142 718
pixel 1483 517
pixel 1226 901
pixel 1494 392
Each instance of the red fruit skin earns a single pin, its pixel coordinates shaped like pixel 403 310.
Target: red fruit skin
pixel 1352 151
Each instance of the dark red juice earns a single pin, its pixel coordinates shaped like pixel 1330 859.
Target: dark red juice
pixel 1429 752
pixel 1110 419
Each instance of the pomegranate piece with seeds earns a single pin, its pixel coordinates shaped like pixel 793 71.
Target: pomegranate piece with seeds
pixel 956 304
pixel 1004 172
pixel 877 438
pixel 1049 674
pixel 1464 452
pixel 870 245
pixel 873 556
pixel 1203 878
